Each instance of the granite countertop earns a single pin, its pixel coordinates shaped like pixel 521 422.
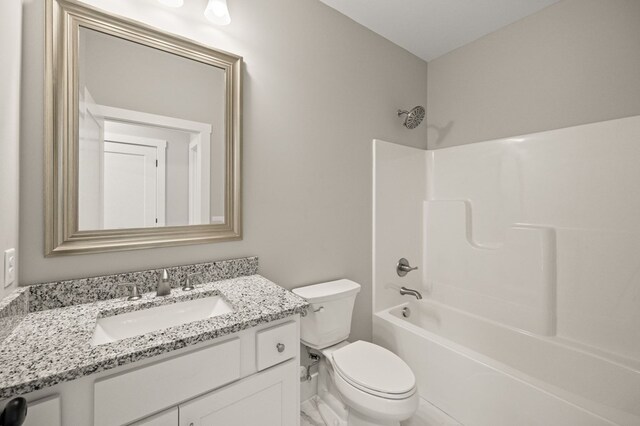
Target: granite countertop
pixel 54 345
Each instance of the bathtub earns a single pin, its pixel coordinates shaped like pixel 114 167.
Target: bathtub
pixel 483 373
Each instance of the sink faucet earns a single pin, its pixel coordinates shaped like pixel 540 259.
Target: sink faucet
pixel 190 278
pixel 164 284
pixel 408 291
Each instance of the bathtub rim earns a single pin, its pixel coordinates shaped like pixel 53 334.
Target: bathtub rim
pixel 605 413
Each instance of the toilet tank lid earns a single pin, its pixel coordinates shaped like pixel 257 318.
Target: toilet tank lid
pixel 331 290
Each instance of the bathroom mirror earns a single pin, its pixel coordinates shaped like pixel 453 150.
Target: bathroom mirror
pixel 143 135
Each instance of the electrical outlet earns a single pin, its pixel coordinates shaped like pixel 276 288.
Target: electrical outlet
pixel 10 263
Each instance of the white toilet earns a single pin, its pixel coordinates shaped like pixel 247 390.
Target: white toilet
pixel 363 384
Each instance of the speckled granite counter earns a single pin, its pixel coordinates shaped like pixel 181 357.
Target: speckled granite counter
pixel 53 346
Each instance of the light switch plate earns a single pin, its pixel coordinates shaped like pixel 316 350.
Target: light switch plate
pixel 10 263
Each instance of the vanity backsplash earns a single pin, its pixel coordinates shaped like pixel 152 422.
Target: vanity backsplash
pixel 13 309
pixel 60 294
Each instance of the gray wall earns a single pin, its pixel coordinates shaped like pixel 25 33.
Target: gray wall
pixel 575 62
pixel 318 89
pixel 10 35
pixel 128 75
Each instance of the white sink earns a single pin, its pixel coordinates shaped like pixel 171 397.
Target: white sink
pixel 137 323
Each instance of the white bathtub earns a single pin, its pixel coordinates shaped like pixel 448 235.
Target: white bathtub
pixel 483 373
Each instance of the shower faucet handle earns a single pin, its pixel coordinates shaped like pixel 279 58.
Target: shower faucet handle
pixel 403 267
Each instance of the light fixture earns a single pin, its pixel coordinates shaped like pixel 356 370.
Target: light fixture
pixel 218 12
pixel 172 3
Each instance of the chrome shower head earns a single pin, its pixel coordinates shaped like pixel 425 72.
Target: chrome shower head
pixel 413 117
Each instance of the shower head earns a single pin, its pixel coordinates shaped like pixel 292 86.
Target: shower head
pixel 413 117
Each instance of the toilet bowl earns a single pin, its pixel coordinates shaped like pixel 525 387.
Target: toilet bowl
pixel 374 383
pixel 364 384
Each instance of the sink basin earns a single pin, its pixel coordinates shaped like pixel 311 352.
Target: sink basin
pixel 137 323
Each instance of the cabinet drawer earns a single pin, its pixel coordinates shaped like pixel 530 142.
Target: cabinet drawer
pixel 134 394
pixel 276 344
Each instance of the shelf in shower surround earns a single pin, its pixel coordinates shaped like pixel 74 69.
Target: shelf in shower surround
pixel 513 283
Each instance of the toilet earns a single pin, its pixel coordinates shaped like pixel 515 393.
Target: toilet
pixel 361 383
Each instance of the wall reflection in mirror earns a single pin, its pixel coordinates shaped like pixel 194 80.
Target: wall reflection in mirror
pixel 151 147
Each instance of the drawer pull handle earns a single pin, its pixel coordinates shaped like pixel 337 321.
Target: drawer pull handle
pixel 280 347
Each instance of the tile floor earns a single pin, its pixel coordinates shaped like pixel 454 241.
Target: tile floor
pixel 309 414
pixel 427 415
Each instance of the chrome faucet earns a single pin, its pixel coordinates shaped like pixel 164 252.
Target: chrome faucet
pixel 408 291
pixel 403 267
pixel 188 286
pixel 135 292
pixel 164 284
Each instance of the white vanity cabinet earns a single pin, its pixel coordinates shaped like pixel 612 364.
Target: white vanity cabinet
pixel 243 379
pixel 264 399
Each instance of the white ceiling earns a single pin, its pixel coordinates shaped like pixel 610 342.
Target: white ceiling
pixel 430 28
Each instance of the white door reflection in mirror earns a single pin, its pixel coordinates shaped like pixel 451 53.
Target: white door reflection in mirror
pixel 133 187
pixel 182 184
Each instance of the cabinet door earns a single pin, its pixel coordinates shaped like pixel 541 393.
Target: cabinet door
pixel 166 418
pixel 269 398
pixel 44 412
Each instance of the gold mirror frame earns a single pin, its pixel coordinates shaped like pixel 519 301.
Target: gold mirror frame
pixel 63 21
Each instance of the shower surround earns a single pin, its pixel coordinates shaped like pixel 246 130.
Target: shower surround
pixel 528 255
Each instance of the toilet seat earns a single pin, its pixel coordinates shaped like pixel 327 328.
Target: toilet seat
pixel 383 409
pixel 374 370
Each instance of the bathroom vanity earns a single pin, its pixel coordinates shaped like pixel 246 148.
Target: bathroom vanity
pixel 236 366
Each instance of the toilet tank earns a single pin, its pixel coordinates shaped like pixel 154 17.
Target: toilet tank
pixel 328 319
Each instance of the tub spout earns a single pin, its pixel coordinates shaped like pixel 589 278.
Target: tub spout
pixel 407 291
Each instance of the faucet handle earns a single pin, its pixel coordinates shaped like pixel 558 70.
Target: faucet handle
pixel 403 267
pixel 135 293
pixel 189 284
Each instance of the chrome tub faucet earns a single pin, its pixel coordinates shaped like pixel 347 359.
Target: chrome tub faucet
pixel 408 291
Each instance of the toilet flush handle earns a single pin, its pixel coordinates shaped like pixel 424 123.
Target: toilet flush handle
pixel 320 309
